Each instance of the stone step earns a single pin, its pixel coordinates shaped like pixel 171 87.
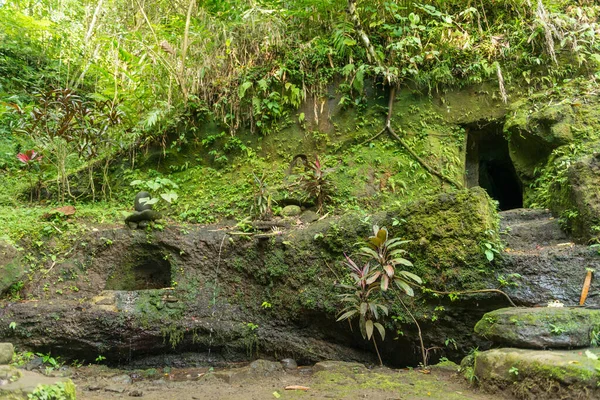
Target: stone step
pixel 552 273
pixel 524 214
pixel 540 374
pixel 530 229
pixel 541 327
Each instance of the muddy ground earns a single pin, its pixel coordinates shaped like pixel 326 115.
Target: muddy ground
pixel 98 383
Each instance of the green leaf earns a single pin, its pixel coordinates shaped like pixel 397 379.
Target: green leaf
pixel 385 282
pixel 169 197
pixel 347 315
pixel 369 252
pixel 373 277
pixel 369 328
pixel 405 287
pixel 136 182
pixel 381 330
pixel 148 200
pixel 389 270
pixel 412 276
pixel 363 309
pixel 243 87
pixel 382 234
pixel 402 261
pixel 489 255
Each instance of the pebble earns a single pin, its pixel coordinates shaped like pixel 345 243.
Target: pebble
pixel 289 363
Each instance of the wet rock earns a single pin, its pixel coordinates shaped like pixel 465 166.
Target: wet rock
pixel 6 353
pixel 257 369
pixel 291 211
pixel 540 327
pixel 289 363
pixel 139 219
pixel 121 379
pixel 309 216
pixel 8 373
pixel 28 381
pixel 265 367
pixel 34 363
pixel 115 389
pixel 539 374
pixel 340 366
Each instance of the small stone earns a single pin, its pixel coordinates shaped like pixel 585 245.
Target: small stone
pixel 114 389
pixel 291 211
pixel 34 363
pixel 136 393
pixel 122 379
pixel 309 216
pixel 6 353
pixel 289 363
pixel 265 368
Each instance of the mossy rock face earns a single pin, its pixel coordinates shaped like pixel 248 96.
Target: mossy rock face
pixel 578 196
pixel 447 233
pixel 540 328
pixel 11 269
pixel 291 211
pixel 534 132
pixel 539 374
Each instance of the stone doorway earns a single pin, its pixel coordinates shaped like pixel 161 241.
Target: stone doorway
pixel 489 166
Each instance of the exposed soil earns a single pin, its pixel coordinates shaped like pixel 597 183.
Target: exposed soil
pixel 94 383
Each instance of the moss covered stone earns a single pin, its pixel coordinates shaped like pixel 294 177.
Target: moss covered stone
pixel 534 132
pixel 539 328
pixel 539 374
pixel 11 269
pixel 577 197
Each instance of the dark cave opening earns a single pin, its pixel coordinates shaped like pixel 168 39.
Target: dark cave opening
pixel 489 165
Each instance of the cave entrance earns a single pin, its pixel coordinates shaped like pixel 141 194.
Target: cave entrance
pixel 148 271
pixel 489 165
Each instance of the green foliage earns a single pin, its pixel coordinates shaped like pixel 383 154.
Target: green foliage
pixel 164 187
pixel 387 255
pixel 317 184
pixel 364 301
pixel 262 197
pixel 367 300
pixel 60 391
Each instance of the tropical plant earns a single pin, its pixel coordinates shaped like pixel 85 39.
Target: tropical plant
pixel 31 160
pixel 363 302
pixel 387 254
pixel 262 197
pixel 370 282
pixel 317 183
pixel 164 187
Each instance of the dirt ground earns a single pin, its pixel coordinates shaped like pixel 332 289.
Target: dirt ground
pixel 94 383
